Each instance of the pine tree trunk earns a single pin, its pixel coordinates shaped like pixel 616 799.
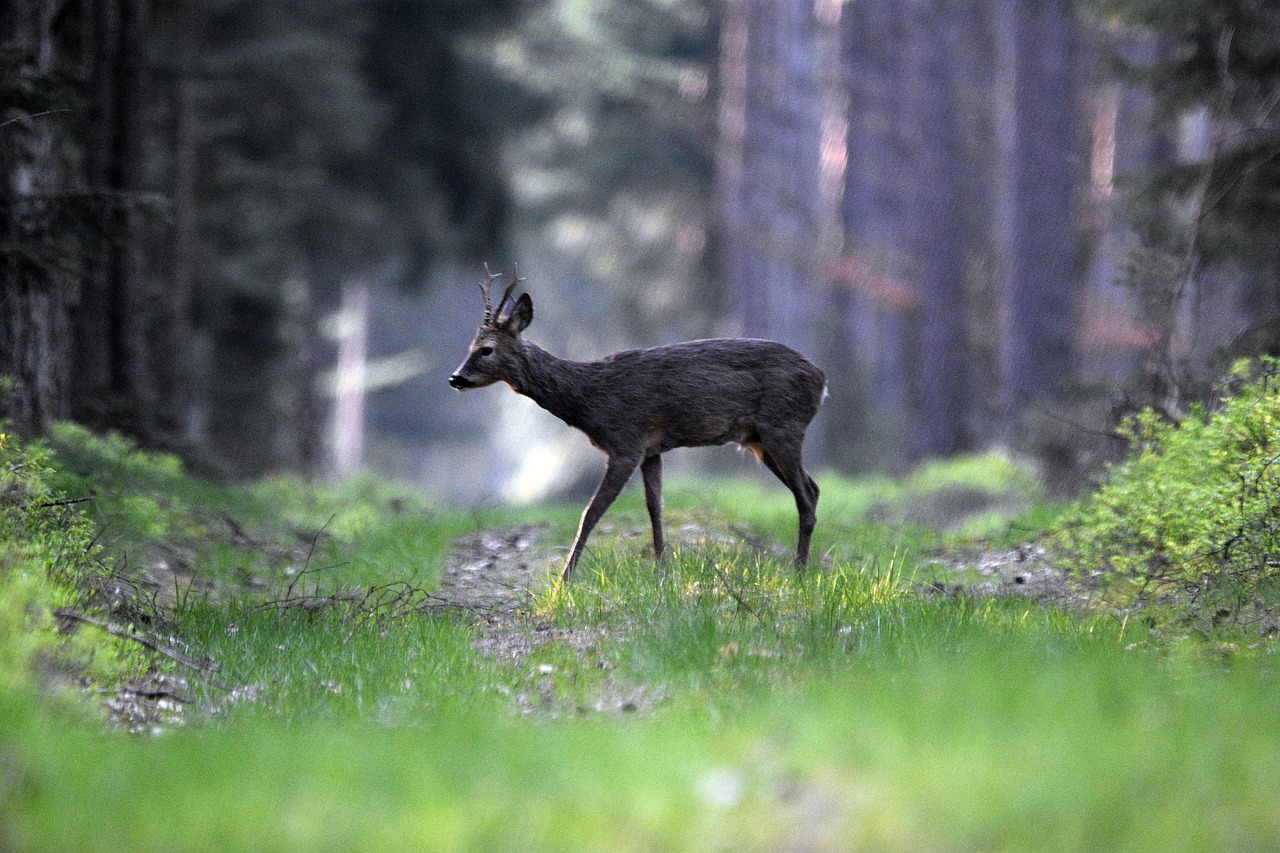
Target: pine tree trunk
pixel 174 334
pixel 131 376
pixel 730 154
pixel 92 355
pixel 39 250
pixel 875 265
pixel 940 383
pixel 1043 280
pixel 114 385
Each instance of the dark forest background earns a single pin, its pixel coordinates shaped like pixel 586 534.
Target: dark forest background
pixel 250 232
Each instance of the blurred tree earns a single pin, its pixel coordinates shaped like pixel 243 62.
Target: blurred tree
pixel 873 272
pixel 1037 40
pixel 770 168
pixel 614 171
pixel 914 217
pixel 1207 213
pixel 957 274
pixel 304 146
pixel 436 164
pixel 937 237
pixel 261 122
pixel 42 218
pixel 113 382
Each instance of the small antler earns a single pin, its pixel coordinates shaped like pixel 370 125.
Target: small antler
pixel 515 280
pixel 484 293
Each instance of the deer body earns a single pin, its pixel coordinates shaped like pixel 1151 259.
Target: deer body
pixel 636 405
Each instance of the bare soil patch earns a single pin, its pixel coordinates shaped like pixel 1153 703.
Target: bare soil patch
pixel 496 571
pixel 493 574
pixel 1028 571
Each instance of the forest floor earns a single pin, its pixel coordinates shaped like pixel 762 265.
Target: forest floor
pixel 495 575
pixel 390 674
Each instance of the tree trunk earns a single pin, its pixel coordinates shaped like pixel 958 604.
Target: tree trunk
pixel 730 246
pixel 39 245
pixel 1042 285
pixel 93 360
pixel 174 374
pixel 771 116
pixel 936 234
pixel 132 375
pixel 114 382
pixel 875 266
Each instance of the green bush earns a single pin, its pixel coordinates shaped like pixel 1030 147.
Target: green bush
pixel 48 561
pixel 1197 504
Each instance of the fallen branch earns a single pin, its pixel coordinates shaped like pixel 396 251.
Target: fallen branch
pixel 65 502
pixel 142 639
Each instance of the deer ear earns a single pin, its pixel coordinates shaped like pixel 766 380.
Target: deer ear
pixel 521 315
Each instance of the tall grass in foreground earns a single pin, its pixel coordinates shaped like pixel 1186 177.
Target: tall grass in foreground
pixel 990 747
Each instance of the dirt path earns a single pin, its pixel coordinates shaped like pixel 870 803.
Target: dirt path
pixel 496 571
pixel 1027 571
pixel 494 575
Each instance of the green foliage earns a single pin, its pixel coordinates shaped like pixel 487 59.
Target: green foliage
pixel 967 496
pixel 339 664
pixel 1198 502
pixel 48 560
pixel 137 496
pixel 215 536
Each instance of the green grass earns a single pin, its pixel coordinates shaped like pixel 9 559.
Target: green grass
pixel 304 668
pixel 987 747
pixel 842 708
pixel 709 624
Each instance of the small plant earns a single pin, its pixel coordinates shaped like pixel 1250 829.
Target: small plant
pixel 1196 508
pixel 48 566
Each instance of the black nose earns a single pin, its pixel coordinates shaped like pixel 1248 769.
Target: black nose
pixel 457 380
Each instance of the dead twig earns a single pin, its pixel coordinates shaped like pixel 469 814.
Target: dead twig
pixel 23 507
pixel 29 116
pixel 65 502
pixel 238 531
pixel 724 580
pixel 116 631
pixel 306 566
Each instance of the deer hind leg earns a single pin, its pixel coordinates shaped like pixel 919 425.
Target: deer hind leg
pixel 616 475
pixel 784 460
pixel 651 470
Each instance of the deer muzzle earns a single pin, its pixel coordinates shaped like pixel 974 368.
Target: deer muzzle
pixel 460 382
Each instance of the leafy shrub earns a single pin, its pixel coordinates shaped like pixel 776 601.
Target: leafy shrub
pixel 39 528
pixel 1197 504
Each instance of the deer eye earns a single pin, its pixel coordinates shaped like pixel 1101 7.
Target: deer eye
pixel 484 352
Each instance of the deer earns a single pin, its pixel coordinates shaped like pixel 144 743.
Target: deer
pixel 638 404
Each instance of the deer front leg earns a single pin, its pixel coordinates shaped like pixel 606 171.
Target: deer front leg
pixel 651 470
pixel 615 477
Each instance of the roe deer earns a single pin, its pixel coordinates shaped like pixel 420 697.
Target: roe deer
pixel 638 404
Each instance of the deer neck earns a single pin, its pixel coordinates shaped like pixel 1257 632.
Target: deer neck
pixel 555 384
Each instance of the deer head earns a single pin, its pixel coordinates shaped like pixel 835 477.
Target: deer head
pixel 495 354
